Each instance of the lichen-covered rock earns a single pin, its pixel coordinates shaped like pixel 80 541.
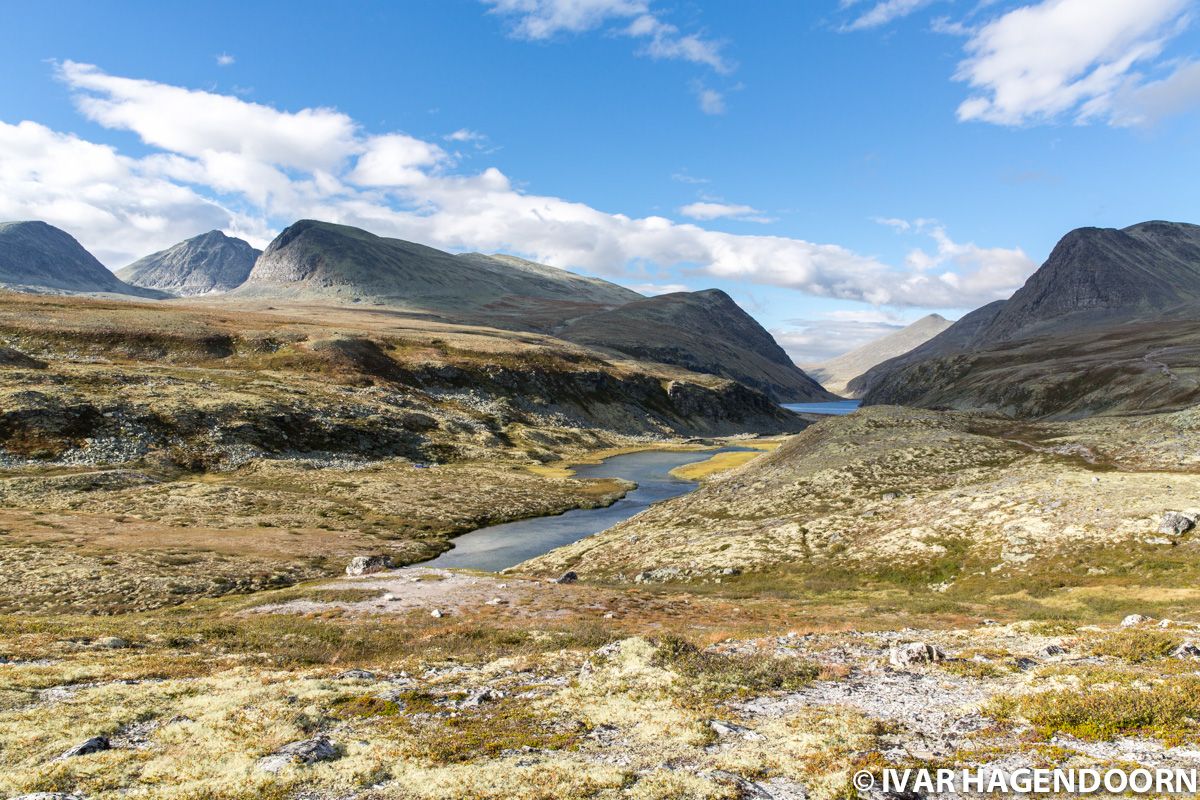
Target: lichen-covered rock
pixel 365 565
pixel 914 654
pixel 306 751
pixel 1133 620
pixel 95 744
pixel 1175 523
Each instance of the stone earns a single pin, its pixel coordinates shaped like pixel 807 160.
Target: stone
pixel 723 729
pixel 356 675
pixel 1051 650
pixel 436 613
pixel 365 565
pixel 731 571
pixel 112 642
pixel 481 696
pixel 914 654
pixel 306 751
pixel 1175 523
pixel 95 744
pixel 497 601
pixel 1133 620
pixel 48 796
pixel 567 577
pixel 1189 649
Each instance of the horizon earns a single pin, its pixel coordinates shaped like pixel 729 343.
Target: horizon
pixel 587 142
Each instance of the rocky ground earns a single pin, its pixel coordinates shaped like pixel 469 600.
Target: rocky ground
pixel 893 588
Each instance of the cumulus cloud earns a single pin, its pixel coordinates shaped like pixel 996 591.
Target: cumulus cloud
pixel 221 162
pixel 1075 58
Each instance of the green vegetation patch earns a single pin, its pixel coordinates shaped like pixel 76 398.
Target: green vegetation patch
pixel 732 674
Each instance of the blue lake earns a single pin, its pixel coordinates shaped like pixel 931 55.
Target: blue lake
pixel 835 408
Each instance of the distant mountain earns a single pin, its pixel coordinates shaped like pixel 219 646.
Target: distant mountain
pixel 323 262
pixel 1105 324
pixel 836 373
pixel 211 262
pixel 37 257
pixel 702 331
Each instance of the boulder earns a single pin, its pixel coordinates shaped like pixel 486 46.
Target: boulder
pixel 1189 649
pixel 95 744
pixel 1133 620
pixel 567 577
pixel 914 654
pixel 365 565
pixel 1175 523
pixel 436 613
pixel 356 675
pixel 112 642
pixel 724 729
pixel 481 696
pixel 307 751
pixel 1051 650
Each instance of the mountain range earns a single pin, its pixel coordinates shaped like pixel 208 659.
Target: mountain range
pixel 36 257
pixel 1107 323
pixel 321 263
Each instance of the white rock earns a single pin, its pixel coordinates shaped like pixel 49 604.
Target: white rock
pixel 436 613
pixel 1134 620
pixel 914 654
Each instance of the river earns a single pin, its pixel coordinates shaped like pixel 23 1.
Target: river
pixel 499 546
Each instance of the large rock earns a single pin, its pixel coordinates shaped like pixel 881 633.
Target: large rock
pixel 1175 523
pixel 95 744
pixel 1133 620
pixel 365 565
pixel 307 751
pixel 914 654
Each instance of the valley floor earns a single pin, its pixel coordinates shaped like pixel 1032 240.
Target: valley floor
pixel 891 588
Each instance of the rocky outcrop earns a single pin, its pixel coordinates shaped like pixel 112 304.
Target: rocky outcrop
pixel 205 264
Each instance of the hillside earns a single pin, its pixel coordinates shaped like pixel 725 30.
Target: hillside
pixel 37 257
pixel 322 262
pixel 211 262
pixel 1104 325
pixel 837 373
pixel 703 331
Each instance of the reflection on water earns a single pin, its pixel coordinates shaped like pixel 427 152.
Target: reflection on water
pixel 500 546
pixel 835 408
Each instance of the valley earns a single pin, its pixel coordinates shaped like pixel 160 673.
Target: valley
pixel 228 523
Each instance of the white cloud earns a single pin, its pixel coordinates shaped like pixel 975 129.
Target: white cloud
pixel 658 288
pixel 1073 58
pixel 396 160
pixel 705 211
pixel 544 19
pixel 222 162
pixel 712 102
pixel 829 335
pixel 464 135
pixel 883 13
pixel 225 60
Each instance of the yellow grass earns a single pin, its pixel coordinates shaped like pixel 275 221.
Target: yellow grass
pixel 721 462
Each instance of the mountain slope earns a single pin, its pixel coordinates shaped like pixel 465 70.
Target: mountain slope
pixel 1104 325
pixel 836 373
pixel 703 331
pixel 323 262
pixel 211 262
pixel 38 257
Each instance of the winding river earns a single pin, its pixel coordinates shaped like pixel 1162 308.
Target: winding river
pixel 499 546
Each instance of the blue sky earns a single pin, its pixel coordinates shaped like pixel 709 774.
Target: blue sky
pixel 839 166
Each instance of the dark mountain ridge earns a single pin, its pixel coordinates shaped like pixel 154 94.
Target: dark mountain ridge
pixel 1109 308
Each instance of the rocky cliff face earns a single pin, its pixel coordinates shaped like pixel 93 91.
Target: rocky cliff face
pixel 703 331
pixel 36 257
pixel 205 264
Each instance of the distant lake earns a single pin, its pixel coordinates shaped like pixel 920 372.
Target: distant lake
pixel 836 408
pixel 500 546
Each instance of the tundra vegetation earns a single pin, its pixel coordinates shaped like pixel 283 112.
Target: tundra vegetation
pixel 182 489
